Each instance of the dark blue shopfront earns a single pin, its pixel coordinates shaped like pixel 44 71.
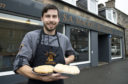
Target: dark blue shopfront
pixel 91 40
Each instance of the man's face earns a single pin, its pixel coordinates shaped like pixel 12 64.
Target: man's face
pixel 50 19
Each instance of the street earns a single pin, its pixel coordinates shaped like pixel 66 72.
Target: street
pixel 113 73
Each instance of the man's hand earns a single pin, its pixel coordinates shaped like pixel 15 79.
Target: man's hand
pixel 69 59
pixel 53 77
pixel 27 71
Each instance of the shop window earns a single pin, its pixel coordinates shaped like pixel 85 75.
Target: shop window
pixel 79 41
pixel 11 35
pixel 60 28
pixel 115 47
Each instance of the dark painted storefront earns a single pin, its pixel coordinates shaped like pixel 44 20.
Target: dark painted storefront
pixel 99 35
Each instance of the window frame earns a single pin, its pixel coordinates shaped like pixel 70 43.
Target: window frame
pixel 17 19
pixel 72 2
pixel 113 17
pixel 90 6
pixel 121 56
pixel 89 54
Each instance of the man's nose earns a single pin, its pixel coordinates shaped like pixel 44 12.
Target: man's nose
pixel 51 18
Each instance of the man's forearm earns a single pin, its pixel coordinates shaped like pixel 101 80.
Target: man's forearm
pixel 27 71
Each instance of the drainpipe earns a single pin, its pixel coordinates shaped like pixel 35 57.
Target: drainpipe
pixel 124 43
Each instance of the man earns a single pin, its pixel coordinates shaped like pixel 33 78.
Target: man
pixel 44 47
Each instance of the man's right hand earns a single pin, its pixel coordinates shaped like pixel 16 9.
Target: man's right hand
pixel 27 71
pixel 53 77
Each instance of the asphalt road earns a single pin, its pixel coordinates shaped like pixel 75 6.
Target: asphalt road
pixel 113 73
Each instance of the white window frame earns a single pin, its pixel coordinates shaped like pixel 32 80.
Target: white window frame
pixel 5 73
pixel 20 19
pixel 113 18
pixel 85 62
pixel 72 2
pixel 96 6
pixel 121 56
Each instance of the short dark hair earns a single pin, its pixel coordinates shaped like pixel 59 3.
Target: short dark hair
pixel 49 6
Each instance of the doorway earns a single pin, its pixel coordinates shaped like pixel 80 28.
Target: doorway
pixel 103 48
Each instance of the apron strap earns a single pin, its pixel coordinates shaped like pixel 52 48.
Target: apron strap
pixel 58 39
pixel 40 36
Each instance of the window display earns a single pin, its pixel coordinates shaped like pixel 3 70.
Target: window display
pixel 79 40
pixel 11 35
pixel 115 47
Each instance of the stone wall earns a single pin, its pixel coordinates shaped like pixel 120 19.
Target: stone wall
pixel 123 21
pixel 75 11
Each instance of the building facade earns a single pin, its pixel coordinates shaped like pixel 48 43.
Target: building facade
pixel 123 20
pixel 119 18
pixel 94 39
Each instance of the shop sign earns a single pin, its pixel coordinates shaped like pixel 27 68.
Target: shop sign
pixel 26 7
pixel 68 18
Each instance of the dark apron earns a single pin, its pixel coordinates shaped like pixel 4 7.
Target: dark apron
pixel 47 55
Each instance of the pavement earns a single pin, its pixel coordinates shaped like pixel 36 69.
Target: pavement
pixel 115 72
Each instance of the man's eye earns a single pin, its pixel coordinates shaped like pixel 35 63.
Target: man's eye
pixel 47 16
pixel 54 16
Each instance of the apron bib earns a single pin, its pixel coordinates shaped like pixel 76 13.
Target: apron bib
pixel 47 55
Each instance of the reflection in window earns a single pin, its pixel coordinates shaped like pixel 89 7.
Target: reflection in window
pixel 79 41
pixel 11 35
pixel 115 47
pixel 60 28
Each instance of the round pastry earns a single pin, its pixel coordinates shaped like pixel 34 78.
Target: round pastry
pixel 44 69
pixel 67 69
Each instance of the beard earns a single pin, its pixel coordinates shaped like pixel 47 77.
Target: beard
pixel 50 29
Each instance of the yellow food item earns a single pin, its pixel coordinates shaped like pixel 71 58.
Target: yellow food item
pixel 44 69
pixel 66 69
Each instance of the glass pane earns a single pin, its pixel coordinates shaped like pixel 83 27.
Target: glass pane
pixel 11 35
pixel 109 14
pixel 79 40
pixel 114 16
pixel 60 28
pixel 115 47
pixel 93 6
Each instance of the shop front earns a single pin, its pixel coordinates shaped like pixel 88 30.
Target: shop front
pixel 92 42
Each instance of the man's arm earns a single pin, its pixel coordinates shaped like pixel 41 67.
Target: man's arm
pixel 69 53
pixel 27 71
pixel 21 63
